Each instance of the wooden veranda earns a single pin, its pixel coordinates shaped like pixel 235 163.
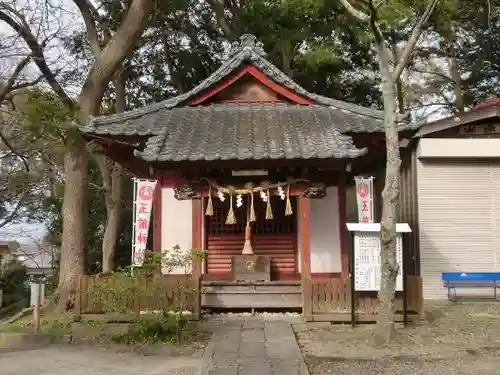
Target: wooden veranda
pixel 325 299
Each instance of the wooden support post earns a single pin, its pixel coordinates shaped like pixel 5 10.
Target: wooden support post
pixel 197 261
pixel 38 305
pixel 157 214
pixel 304 208
pixel 78 296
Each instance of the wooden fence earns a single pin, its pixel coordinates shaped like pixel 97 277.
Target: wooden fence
pixel 136 294
pixel 330 300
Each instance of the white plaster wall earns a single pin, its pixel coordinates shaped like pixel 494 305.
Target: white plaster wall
pixel 176 223
pixel 325 234
pixel 458 148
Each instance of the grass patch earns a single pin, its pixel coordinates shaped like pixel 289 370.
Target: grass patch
pixel 55 324
pixel 150 329
pixel 155 328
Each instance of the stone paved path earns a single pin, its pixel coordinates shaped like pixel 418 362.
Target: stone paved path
pixel 253 347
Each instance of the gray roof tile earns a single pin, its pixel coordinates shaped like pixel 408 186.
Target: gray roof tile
pixel 249 131
pixel 248 50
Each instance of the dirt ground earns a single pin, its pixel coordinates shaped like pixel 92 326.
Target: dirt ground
pixel 452 339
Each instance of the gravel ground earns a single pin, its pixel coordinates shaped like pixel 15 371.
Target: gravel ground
pixel 453 339
pixel 391 366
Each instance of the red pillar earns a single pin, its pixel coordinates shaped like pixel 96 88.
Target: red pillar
pixel 196 236
pixel 157 214
pixel 304 208
pixel 196 243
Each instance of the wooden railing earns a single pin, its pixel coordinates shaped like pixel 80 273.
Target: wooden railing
pixel 143 294
pixel 331 298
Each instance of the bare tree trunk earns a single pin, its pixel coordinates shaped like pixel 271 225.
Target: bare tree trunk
pixel 74 214
pixel 457 81
pixel 113 220
pixel 450 38
pixel 75 200
pixel 390 201
pixel 401 96
pixel 112 176
pixel 107 61
pixel 391 68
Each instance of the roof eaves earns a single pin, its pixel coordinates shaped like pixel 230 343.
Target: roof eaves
pixel 152 151
pixel 281 78
pixel 458 120
pixel 224 70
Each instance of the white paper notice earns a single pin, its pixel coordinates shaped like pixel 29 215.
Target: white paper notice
pixel 367 261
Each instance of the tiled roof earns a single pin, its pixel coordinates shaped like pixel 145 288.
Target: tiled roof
pixel 248 50
pixel 249 131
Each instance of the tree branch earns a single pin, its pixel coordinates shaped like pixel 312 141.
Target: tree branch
pixel 379 37
pixel 24 31
pixel 112 55
pixel 415 35
pixel 7 88
pixel 22 85
pixel 12 215
pixel 218 9
pixel 361 16
pixel 13 151
pixel 438 74
pixel 89 15
pixel 380 3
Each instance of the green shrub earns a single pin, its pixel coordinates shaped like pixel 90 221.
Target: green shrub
pixel 154 329
pixel 13 282
pixel 149 290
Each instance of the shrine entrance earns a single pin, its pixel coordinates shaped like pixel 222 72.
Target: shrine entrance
pixel 275 238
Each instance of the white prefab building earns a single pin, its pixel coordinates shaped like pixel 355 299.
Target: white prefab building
pixel 457 167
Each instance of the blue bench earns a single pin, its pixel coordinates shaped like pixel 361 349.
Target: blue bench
pixel 471 280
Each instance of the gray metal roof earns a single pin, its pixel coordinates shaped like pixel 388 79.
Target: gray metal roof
pixel 250 131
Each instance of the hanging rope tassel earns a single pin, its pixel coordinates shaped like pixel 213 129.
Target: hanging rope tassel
pixel 231 218
pixel 288 209
pixel 269 210
pixel 251 216
pixel 210 207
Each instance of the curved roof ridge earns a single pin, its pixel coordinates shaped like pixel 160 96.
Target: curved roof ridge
pixel 247 50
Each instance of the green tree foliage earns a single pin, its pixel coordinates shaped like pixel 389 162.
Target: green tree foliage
pixel 318 45
pixel 314 42
pixel 479 54
pixel 32 133
pixel 14 283
pixel 459 59
pixel 46 120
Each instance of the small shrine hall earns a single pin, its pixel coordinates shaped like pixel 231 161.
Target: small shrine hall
pixel 253 169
